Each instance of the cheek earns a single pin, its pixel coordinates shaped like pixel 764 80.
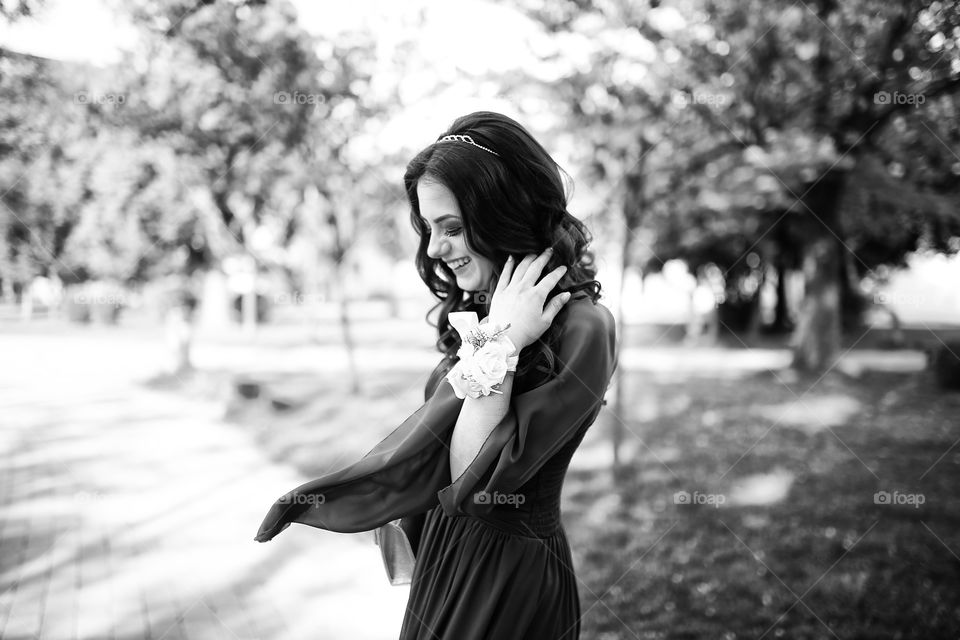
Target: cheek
pixel 486 268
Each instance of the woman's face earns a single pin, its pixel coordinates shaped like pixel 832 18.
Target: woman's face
pixel 440 211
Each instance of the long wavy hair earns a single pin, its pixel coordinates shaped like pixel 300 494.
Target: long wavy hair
pixel 511 203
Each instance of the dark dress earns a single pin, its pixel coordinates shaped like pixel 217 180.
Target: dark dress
pixel 493 561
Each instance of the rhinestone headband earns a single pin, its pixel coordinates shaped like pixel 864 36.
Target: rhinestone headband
pixel 468 140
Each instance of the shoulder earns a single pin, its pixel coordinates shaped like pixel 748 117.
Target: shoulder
pixel 588 349
pixel 587 326
pixel 581 315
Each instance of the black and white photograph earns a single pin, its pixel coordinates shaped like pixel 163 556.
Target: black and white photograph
pixel 479 320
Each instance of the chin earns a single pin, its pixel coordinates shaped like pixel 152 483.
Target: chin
pixel 471 286
pixel 473 283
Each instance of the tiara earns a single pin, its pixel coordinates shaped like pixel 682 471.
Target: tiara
pixel 468 140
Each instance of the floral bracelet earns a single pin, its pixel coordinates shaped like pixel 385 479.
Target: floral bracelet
pixel 485 357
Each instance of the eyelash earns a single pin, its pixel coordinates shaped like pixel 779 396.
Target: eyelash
pixel 449 232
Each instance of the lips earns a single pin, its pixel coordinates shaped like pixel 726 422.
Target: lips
pixel 456 264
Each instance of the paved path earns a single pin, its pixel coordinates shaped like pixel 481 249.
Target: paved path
pixel 130 513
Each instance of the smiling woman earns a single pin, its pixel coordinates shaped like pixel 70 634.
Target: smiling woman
pixel 475 479
pixel 506 197
pixel 473 271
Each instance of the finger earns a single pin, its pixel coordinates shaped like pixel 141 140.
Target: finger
pixel 536 267
pixel 550 280
pixel 555 305
pixel 505 274
pixel 524 265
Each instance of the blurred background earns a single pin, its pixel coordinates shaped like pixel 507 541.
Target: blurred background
pixel 208 297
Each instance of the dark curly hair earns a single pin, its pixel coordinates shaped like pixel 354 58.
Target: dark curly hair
pixel 511 203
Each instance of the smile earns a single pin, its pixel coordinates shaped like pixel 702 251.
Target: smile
pixel 457 265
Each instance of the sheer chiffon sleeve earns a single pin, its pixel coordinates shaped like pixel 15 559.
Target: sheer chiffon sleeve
pixel 408 472
pixel 542 420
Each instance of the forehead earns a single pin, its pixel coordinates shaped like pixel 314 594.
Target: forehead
pixel 437 202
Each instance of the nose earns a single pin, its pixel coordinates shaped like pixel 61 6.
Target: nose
pixel 437 246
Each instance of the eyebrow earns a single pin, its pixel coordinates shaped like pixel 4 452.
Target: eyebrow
pixel 441 218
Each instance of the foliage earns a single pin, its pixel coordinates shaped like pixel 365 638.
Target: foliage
pixel 43 142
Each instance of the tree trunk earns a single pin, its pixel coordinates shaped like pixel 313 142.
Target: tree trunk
pixel 216 305
pixel 394 301
pixel 346 328
pixel 818 331
pixel 852 303
pixel 616 430
pixel 26 304
pixel 248 302
pixel 248 307
pixel 179 336
pixel 633 206
pixel 817 338
pixel 755 316
pixel 781 317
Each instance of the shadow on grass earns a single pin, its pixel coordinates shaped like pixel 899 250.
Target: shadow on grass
pixel 778 532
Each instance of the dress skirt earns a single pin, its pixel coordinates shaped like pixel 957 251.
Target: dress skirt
pixel 501 585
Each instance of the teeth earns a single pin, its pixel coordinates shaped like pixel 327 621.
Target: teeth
pixel 459 263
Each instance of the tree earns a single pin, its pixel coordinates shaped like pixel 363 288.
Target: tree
pixel 41 144
pixel 855 78
pixel 231 89
pixel 784 116
pixel 618 68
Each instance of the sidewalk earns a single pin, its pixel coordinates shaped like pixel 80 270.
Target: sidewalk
pixel 130 513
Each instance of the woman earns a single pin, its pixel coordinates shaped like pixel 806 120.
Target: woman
pixel 476 472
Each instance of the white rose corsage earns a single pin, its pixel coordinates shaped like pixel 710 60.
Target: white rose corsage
pixel 486 355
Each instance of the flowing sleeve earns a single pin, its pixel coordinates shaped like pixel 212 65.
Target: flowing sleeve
pixel 398 477
pixel 539 422
pixel 408 472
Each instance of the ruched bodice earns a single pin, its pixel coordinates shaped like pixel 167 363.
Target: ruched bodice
pixel 533 510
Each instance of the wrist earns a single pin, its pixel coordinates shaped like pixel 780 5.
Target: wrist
pixel 510 332
pixel 515 340
pixel 487 356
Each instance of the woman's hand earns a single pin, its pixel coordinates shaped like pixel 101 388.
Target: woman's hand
pixel 519 299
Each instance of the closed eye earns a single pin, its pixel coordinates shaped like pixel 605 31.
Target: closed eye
pixel 449 232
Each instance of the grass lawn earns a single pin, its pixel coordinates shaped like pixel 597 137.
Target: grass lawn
pixel 798 548
pixel 781 537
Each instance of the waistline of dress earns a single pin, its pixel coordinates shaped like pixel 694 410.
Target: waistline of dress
pixel 520 523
